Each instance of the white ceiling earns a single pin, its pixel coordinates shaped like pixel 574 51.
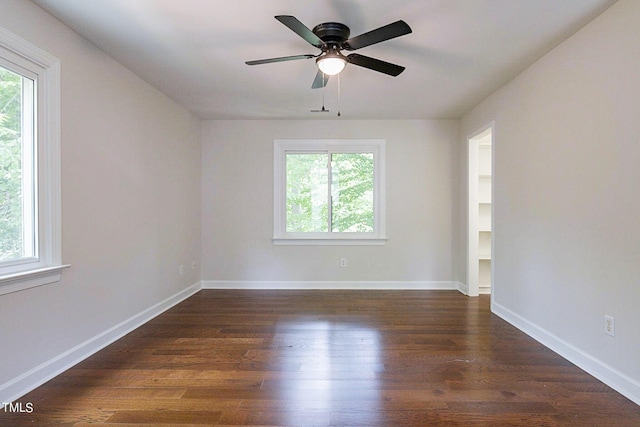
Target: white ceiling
pixel 194 51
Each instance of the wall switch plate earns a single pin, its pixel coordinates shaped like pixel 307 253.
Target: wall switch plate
pixel 609 326
pixel 181 269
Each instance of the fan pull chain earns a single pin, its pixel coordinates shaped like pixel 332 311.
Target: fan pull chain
pixel 338 94
pixel 323 83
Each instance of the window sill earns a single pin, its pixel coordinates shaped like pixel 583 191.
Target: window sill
pixel 30 279
pixel 329 241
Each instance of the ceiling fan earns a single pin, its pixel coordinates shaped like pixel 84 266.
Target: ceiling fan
pixel 333 37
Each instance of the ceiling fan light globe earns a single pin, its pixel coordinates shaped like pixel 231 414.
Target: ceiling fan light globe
pixel 331 65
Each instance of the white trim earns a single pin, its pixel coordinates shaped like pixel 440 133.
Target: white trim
pixel 474 288
pixel 472 218
pixel 484 290
pixel 623 384
pixel 51 181
pixel 46 68
pixel 30 279
pixel 319 285
pixel 329 241
pixel 463 288
pixel 23 48
pixel 23 384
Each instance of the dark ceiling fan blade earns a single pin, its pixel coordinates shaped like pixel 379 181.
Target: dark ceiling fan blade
pixel 300 29
pixel 375 64
pixel 388 32
pixel 280 59
pixel 318 82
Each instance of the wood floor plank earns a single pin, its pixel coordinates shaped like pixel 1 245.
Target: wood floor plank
pixel 326 358
pixel 166 417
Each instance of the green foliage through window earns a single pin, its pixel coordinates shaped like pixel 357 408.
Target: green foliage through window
pixel 329 190
pixel 307 205
pixel 352 192
pixel 11 242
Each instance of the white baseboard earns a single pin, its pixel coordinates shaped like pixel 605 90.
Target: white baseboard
pixel 484 291
pixel 21 385
pixel 319 285
pixel 615 379
pixel 463 288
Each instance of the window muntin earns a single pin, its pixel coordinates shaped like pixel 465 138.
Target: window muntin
pixel 329 191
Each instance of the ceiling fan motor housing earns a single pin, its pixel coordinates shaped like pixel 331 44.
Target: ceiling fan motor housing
pixel 332 33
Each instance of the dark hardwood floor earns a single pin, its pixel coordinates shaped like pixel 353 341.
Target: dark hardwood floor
pixel 326 358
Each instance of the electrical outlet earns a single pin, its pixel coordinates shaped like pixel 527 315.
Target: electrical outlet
pixel 193 265
pixel 343 262
pixel 181 269
pixel 609 326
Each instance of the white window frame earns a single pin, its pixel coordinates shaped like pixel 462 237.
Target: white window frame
pixel 284 146
pixel 31 61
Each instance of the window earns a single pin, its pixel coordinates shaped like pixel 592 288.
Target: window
pixel 17 226
pixel 29 166
pixel 329 192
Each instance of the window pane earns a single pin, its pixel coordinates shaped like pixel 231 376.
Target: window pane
pixel 16 167
pixel 307 192
pixel 352 192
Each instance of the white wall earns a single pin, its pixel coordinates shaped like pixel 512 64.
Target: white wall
pixel 237 203
pixel 567 201
pixel 131 204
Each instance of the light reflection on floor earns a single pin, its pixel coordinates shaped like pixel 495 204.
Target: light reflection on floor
pixel 338 362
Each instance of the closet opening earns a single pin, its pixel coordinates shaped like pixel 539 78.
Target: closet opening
pixel 480 223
